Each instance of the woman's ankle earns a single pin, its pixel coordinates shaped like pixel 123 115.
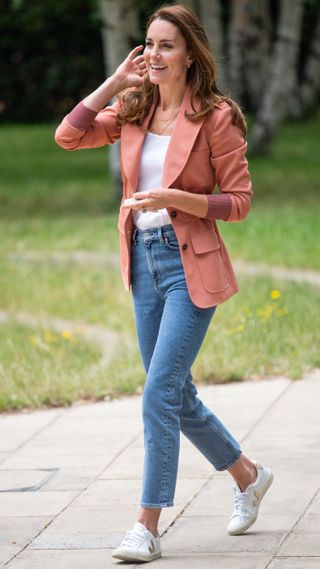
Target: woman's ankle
pixel 153 529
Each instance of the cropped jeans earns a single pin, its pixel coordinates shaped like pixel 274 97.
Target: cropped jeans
pixel 170 330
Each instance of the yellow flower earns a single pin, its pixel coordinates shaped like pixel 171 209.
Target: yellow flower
pixel 69 336
pixel 275 294
pixel 34 341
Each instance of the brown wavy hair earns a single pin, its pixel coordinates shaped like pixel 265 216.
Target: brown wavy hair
pixel 201 75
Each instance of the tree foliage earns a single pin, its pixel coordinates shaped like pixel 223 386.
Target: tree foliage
pixel 50 56
pixel 52 51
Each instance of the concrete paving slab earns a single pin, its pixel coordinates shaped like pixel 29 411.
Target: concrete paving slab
pixel 295 563
pixel 106 448
pixel 24 504
pixel 129 463
pixel 304 539
pixel 86 436
pixel 302 544
pixel 123 407
pixel 210 561
pixel 64 559
pixel 229 400
pixel 22 459
pixel 17 532
pixel 99 520
pixel 4 456
pixel 17 429
pixel 109 492
pixel 73 479
pixel 207 534
pixel 7 552
pixel 215 498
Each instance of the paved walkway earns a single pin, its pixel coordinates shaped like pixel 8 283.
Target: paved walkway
pixel 70 483
pixel 111 260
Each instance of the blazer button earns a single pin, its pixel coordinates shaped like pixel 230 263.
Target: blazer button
pixel 184 247
pixel 174 214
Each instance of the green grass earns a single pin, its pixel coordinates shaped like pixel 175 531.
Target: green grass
pixel 40 367
pixel 92 294
pixel 250 336
pixel 40 179
pixel 52 200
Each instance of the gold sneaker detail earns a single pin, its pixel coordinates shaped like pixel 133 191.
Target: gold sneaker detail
pixel 257 496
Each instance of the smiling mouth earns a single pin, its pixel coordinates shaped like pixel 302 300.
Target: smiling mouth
pixel 158 67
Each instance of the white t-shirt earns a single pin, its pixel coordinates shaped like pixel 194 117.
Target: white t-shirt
pixel 150 176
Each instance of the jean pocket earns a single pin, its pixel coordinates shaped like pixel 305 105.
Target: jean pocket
pixel 171 243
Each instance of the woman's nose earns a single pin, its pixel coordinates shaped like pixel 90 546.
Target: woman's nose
pixel 155 52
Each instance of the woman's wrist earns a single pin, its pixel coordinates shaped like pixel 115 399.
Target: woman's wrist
pixel 188 202
pixel 98 99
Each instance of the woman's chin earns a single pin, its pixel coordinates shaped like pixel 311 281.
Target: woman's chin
pixel 157 80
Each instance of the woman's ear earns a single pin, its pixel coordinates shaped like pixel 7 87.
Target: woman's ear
pixel 189 61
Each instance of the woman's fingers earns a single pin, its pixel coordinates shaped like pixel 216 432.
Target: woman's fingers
pixel 135 52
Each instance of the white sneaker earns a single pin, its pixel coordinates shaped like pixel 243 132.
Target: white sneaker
pixel 246 504
pixel 139 544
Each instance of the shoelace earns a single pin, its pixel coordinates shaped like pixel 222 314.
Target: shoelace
pixel 239 501
pixel 132 538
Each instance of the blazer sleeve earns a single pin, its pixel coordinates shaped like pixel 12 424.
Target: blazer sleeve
pixel 84 128
pixel 228 159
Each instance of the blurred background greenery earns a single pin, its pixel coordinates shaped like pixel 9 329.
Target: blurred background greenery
pixel 66 322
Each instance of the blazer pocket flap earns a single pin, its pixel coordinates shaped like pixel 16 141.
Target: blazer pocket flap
pixel 205 242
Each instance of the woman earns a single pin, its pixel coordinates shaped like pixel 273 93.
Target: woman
pixel 179 137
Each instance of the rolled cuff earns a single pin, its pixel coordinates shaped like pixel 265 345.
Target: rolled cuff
pixel 81 117
pixel 219 206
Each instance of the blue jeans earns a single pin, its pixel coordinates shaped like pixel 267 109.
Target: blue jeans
pixel 170 331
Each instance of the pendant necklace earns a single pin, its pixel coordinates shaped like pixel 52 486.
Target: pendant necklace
pixel 168 122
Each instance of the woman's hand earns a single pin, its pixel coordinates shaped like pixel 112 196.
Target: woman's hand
pixel 159 198
pixel 153 200
pixel 131 71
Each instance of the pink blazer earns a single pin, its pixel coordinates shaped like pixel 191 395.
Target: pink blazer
pixel 200 155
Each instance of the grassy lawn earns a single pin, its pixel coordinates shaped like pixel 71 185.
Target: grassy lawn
pixel 52 200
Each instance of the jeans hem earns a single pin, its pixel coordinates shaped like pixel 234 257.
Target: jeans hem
pixel 163 505
pixel 222 468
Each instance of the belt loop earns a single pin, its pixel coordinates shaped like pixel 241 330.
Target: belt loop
pixel 160 235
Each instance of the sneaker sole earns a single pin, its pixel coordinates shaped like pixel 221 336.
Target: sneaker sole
pixel 127 557
pixel 249 524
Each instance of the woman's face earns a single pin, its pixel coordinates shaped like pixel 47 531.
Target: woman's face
pixel 166 53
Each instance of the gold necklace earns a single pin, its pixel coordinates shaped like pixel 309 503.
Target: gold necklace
pixel 168 122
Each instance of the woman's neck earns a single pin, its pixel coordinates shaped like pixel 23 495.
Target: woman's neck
pixel 169 98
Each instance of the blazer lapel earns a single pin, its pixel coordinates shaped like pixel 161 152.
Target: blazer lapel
pixel 182 140
pixel 181 143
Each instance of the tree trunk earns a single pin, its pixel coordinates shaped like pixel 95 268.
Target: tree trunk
pixel 211 18
pixel 282 77
pixel 117 16
pixel 306 96
pixel 249 50
pixel 257 52
pixel 239 24
pixel 120 31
